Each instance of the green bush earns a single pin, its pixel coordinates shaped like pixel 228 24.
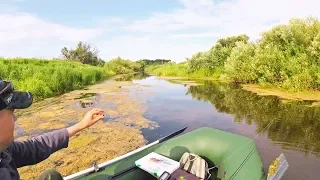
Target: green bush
pixel 287 56
pixel 241 64
pixel 122 66
pixel 83 53
pixel 215 58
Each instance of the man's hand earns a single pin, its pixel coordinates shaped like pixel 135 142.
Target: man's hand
pixel 89 119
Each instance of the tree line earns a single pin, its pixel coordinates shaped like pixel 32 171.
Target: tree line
pixel 77 68
pixel 87 54
pixel 287 56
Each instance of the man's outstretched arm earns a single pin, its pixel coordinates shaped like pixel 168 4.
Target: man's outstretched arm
pixel 39 148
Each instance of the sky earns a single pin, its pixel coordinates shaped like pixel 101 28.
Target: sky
pixel 137 29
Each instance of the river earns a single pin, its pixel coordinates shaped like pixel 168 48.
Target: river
pixel 278 126
pixel 148 107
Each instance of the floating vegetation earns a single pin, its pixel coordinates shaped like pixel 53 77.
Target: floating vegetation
pixel 101 142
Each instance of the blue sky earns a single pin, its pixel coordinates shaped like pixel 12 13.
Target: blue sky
pixel 136 29
pixel 79 13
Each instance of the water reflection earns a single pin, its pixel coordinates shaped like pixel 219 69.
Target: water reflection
pixel 293 125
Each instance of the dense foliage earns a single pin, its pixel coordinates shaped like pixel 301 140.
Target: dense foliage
pixel 46 78
pixel 84 53
pixel 123 66
pixel 287 56
pixel 217 55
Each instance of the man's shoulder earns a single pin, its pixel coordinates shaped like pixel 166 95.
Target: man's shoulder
pixel 12 147
pixel 9 149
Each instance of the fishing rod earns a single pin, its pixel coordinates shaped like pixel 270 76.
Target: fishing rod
pixel 96 168
pixel 249 142
pixel 283 165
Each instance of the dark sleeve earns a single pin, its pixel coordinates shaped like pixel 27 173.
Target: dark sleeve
pixel 39 148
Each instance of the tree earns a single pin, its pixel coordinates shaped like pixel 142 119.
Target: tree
pixel 241 64
pixel 215 58
pixel 84 53
pixel 123 66
pixel 231 41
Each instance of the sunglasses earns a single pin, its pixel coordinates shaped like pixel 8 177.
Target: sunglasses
pixel 8 89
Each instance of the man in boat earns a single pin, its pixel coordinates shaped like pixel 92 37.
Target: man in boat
pixel 16 154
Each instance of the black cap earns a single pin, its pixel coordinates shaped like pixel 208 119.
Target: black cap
pixel 13 99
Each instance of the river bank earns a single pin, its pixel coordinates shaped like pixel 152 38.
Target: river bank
pixel 285 57
pixel 46 78
pixel 119 133
pixel 168 105
pixel 273 91
pixel 287 96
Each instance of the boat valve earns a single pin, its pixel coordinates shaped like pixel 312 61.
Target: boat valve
pixel 95 167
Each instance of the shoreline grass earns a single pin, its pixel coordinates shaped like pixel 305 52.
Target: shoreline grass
pixel 180 70
pixel 166 72
pixel 49 78
pixel 274 91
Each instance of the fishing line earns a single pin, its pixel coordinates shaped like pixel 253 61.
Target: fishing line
pixel 265 128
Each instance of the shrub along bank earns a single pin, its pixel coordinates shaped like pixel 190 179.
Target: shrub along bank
pixel 287 56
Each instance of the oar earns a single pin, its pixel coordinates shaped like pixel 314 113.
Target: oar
pixel 105 164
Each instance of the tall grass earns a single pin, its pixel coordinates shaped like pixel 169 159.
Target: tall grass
pixel 181 70
pixel 168 69
pixel 47 78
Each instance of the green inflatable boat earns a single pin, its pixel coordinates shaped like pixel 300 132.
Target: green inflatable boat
pixel 236 157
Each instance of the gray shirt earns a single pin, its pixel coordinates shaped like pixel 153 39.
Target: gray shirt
pixel 30 152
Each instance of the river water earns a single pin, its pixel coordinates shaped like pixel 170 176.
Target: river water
pixel 277 126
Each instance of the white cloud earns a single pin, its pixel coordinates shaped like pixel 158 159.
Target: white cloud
pixel 226 17
pixel 132 47
pixel 195 35
pixel 206 19
pixel 197 4
pixel 16 27
pixel 23 34
pixel 175 35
